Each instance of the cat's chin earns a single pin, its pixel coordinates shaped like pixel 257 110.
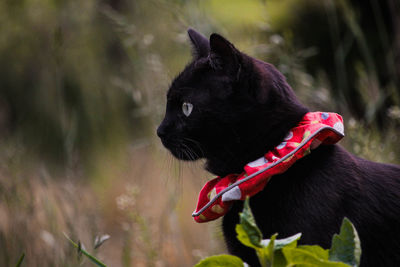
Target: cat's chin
pixel 221 168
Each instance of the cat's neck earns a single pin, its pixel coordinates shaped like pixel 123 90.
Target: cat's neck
pixel 258 142
pixel 265 129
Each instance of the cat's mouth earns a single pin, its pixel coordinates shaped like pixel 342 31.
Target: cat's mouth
pixel 183 148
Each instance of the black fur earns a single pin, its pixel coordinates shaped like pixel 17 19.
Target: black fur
pixel 243 107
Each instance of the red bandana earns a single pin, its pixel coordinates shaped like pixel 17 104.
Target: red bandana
pixel 314 129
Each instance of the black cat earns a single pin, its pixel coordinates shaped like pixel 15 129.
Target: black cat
pixel 231 109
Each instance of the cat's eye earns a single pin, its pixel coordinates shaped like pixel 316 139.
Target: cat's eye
pixel 187 108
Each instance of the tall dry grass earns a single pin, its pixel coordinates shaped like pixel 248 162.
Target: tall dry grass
pixel 142 205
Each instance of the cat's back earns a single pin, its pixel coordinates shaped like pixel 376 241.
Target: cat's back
pixel 370 198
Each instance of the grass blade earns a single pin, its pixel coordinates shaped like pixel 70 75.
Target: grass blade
pixel 87 254
pixel 20 260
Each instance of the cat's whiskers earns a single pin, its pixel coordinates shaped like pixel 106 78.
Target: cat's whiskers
pixel 188 152
pixel 197 144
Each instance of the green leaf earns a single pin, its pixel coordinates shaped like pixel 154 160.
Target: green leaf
pixel 271 254
pixel 317 251
pixel 87 254
pixel 346 245
pixel 221 261
pixel 270 247
pixel 266 254
pixel 279 259
pixel 280 243
pixel 244 238
pixel 249 227
pixel 268 250
pixel 308 256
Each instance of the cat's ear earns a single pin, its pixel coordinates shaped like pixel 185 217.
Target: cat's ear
pixel 223 55
pixel 201 45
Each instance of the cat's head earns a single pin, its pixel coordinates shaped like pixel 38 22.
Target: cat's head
pixel 226 107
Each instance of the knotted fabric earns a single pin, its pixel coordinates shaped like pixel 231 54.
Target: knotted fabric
pixel 314 129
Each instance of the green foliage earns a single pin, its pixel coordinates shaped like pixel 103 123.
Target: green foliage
pixel 309 256
pixel 247 230
pixel 63 89
pixel 345 250
pixel 346 246
pixel 221 261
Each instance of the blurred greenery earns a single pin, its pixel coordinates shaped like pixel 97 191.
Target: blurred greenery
pixel 82 89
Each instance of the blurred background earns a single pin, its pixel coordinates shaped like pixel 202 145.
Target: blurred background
pixel 82 90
